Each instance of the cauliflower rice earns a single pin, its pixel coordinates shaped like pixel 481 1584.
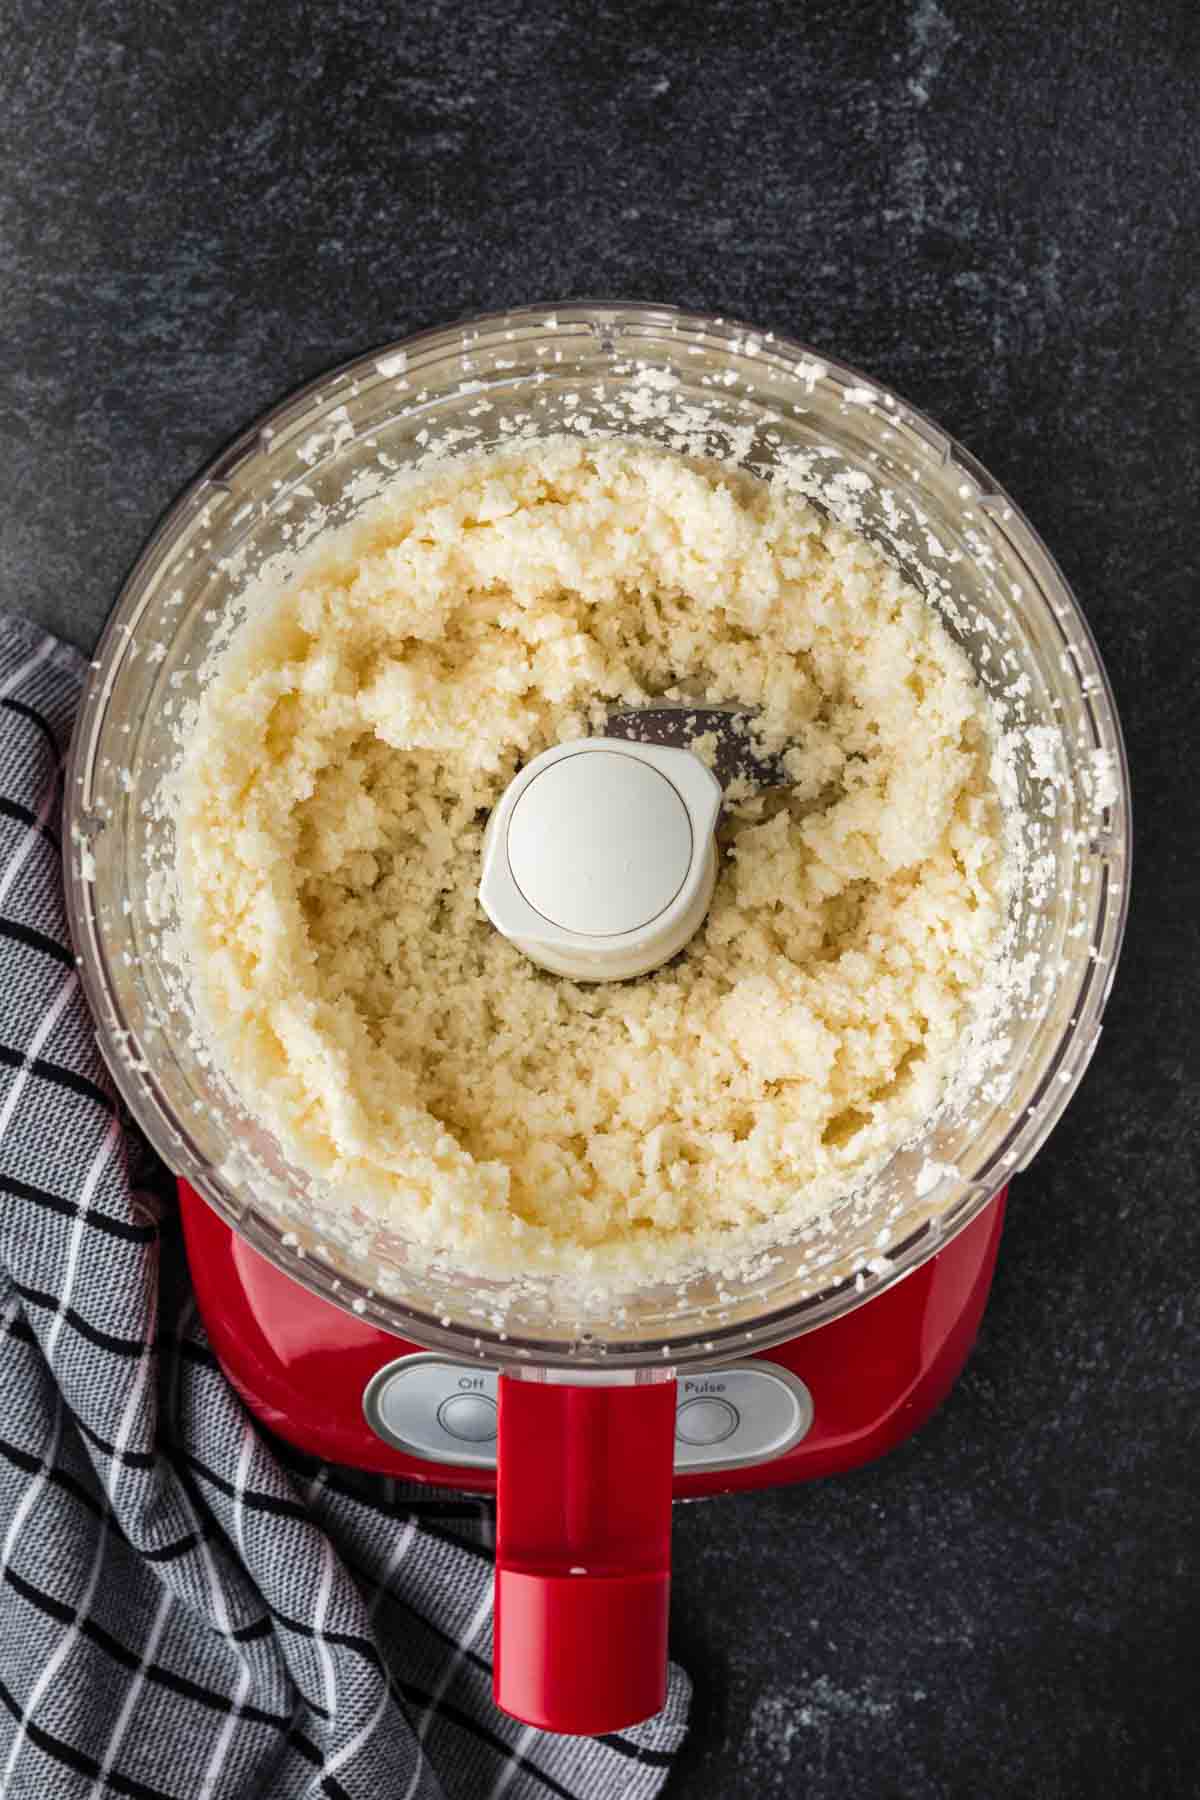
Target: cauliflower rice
pixel 355 734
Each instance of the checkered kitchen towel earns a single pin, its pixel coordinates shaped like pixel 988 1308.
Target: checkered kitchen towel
pixel 187 1609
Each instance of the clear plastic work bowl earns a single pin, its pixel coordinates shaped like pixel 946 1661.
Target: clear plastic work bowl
pixel 752 399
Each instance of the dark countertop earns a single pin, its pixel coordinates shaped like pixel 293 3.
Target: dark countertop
pixel 995 210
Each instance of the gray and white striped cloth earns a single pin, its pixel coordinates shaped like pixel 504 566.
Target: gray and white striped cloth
pixel 187 1609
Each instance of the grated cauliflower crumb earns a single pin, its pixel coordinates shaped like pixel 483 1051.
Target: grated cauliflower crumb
pixel 363 721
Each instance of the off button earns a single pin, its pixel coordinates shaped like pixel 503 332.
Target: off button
pixel 468 1416
pixel 706 1420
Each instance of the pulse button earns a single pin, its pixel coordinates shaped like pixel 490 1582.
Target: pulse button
pixel 468 1416
pixel 706 1420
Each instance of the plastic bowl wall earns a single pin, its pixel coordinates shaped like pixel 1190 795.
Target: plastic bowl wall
pixel 754 400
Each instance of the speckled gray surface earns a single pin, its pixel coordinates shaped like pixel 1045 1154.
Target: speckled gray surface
pixel 995 209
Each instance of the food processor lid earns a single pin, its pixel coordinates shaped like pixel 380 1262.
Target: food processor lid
pixel 599 862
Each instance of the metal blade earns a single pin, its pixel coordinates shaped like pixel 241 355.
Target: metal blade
pixel 678 723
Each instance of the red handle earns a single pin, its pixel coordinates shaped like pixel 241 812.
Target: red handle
pixel 583 1552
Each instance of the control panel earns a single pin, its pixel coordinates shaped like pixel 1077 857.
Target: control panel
pixel 445 1412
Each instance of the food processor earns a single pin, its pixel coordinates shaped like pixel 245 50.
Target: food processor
pixel 587 1414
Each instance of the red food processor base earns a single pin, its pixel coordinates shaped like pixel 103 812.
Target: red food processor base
pixel 855 1388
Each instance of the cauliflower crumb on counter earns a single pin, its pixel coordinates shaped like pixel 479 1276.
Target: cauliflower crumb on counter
pixel 350 744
